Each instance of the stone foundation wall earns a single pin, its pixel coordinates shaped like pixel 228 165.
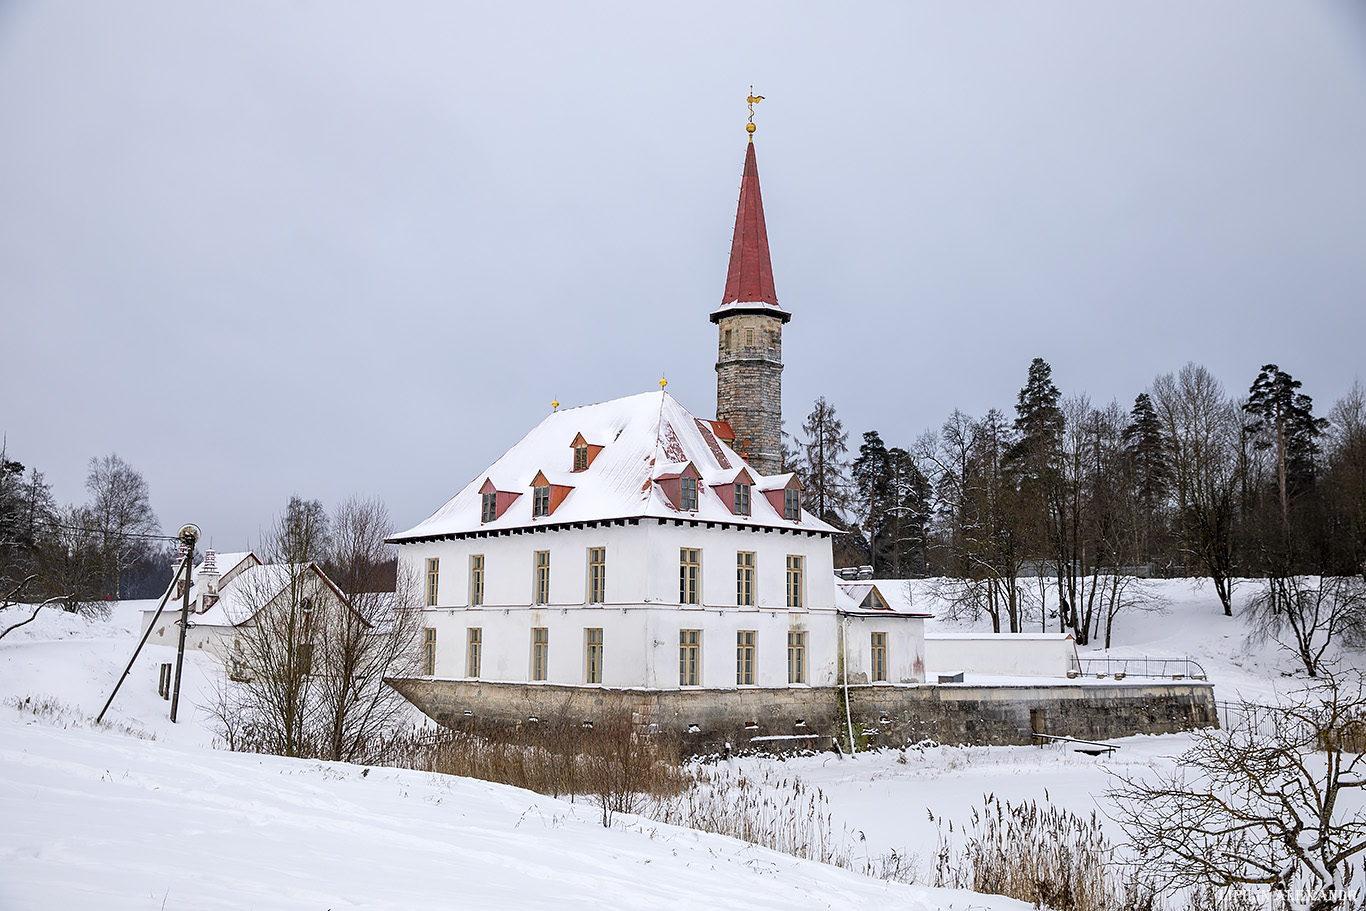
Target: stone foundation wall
pixel 710 721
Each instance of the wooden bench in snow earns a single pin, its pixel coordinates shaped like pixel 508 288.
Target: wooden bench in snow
pixel 1089 747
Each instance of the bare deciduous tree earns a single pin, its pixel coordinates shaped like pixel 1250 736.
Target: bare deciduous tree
pixel 120 510
pixel 1309 614
pixel 373 634
pixel 1202 427
pixel 1265 802
pixel 309 666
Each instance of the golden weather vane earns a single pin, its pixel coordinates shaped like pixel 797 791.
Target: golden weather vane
pixel 753 100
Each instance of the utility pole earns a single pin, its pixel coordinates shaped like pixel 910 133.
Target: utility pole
pixel 193 533
pixel 188 536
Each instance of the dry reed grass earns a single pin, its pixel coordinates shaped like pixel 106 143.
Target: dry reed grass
pixel 59 714
pixel 1043 855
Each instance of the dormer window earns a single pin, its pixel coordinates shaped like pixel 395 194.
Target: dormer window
pixel 736 493
pixel 741 499
pixel 540 501
pixel 490 510
pixel 687 500
pixel 584 452
pixel 792 504
pixel 874 601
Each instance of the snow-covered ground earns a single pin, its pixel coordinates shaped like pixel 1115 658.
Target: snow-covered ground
pixel 884 803
pixel 144 814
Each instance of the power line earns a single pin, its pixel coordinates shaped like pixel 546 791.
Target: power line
pixel 48 523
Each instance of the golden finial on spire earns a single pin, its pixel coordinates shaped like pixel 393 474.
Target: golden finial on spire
pixel 663 382
pixel 753 100
pixel 554 404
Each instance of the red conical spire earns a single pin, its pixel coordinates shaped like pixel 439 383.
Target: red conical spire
pixel 750 279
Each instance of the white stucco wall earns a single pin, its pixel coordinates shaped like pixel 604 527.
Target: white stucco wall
pixel 641 617
pixel 1000 654
pixel 216 640
pixel 905 647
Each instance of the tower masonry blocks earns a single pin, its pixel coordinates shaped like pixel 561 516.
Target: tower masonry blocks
pixel 749 378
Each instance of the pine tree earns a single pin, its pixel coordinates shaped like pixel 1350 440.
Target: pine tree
pixel 1035 466
pixel 1148 454
pixel 909 516
pixel 873 494
pixel 1038 422
pixel 1283 419
pixel 827 471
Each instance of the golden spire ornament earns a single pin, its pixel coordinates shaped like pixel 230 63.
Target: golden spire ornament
pixel 663 381
pixel 753 100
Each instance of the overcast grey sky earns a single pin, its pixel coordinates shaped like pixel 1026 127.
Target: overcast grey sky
pixel 325 248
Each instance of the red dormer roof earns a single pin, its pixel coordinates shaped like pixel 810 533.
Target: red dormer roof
pixel 749 281
pixel 557 491
pixel 592 452
pixel 502 501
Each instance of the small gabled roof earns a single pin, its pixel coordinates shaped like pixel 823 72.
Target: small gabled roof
pixel 781 482
pixel 643 436
pixel 251 588
pixel 858 598
pixel 667 470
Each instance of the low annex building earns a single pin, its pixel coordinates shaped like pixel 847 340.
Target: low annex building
pixel 227 592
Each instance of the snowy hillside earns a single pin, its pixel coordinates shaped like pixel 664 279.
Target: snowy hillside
pixel 145 814
pixel 104 819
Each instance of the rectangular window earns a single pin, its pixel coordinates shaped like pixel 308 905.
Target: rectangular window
pixel 303 658
pixel 687 500
pixel 796 656
pixel 744 657
pixel 540 501
pixel 490 510
pixel 794 581
pixel 581 457
pixel 744 578
pixel 727 340
pixel 542 577
pixel 741 499
pixel 749 338
pixel 597 575
pixel 540 652
pixel 879 656
pixel 475 651
pixel 689 653
pixel 476 580
pixel 433 565
pixel 593 658
pixel 689 568
pixel 792 504
pixel 429 652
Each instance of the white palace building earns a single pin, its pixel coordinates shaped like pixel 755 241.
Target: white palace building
pixel 632 552
pixel 625 544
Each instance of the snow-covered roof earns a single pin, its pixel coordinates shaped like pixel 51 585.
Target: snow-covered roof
pixel 242 593
pixel 643 436
pixel 225 563
pixel 891 598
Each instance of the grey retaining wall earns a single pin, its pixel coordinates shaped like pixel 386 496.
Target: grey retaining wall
pixel 706 721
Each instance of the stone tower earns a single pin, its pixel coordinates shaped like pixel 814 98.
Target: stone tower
pixel 749 362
